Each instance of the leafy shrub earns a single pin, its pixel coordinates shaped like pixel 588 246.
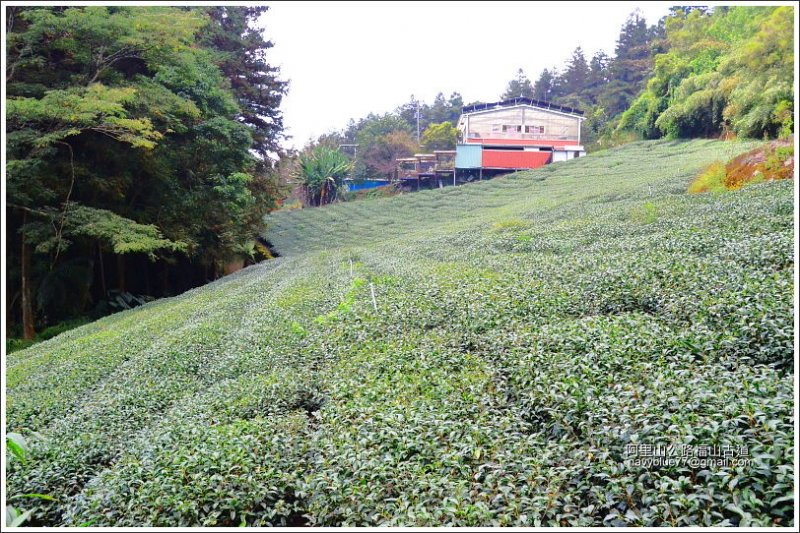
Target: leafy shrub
pixel 13 344
pixel 711 179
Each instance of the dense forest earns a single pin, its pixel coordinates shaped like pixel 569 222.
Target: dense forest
pixel 698 72
pixel 728 72
pixel 138 143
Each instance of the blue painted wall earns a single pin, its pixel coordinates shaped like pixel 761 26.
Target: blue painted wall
pixel 468 156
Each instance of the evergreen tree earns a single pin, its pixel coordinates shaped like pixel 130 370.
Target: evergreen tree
pixel 415 112
pixel 520 87
pixel 241 55
pixel 576 75
pixel 439 111
pixel 632 64
pixel 455 103
pixel 598 75
pixel 544 87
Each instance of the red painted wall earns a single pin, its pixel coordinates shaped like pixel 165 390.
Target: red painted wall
pixel 515 159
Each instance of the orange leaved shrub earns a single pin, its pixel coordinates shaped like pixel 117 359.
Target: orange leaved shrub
pixel 773 161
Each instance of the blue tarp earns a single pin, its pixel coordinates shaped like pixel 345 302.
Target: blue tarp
pixel 365 184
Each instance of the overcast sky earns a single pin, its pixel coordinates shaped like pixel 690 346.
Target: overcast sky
pixel 347 59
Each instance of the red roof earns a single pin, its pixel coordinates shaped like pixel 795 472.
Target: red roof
pixel 523 142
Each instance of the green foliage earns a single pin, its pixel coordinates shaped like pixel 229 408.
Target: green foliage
pixel 123 236
pixel 58 329
pixel 441 136
pixel 15 443
pixel 13 345
pixel 520 87
pixel 383 138
pixel 647 213
pixel 378 158
pixel 120 234
pixel 377 126
pixel 132 131
pixel 604 86
pixel 240 51
pixel 71 112
pixel 19 448
pixel 322 171
pixel 730 70
pixel 712 179
pixel 528 329
pixel 544 88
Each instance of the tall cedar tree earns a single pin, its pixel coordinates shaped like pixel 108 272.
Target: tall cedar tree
pixel 242 57
pixel 545 86
pixel 520 87
pixel 577 73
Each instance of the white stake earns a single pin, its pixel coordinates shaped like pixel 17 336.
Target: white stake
pixel 374 302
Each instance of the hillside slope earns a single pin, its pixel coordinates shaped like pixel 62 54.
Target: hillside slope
pixel 490 354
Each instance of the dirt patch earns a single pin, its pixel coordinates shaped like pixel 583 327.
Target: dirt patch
pixel 774 161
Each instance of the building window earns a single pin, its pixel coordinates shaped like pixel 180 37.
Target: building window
pixel 512 128
pixel 534 129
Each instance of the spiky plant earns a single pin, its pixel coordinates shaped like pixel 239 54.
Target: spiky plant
pixel 322 171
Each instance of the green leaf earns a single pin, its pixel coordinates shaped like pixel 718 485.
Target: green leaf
pixel 34 495
pixel 20 519
pixel 17 445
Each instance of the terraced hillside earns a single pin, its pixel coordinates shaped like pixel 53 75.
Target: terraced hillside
pixel 491 354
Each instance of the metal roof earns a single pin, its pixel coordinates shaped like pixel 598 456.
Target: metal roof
pixel 521 101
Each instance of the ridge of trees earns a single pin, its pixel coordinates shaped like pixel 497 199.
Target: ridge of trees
pixel 697 72
pixel 726 71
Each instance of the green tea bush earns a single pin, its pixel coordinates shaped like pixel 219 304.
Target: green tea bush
pixel 472 356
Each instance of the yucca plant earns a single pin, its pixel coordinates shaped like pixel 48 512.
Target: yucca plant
pixel 322 171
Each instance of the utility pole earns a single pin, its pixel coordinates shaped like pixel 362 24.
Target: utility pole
pixel 355 151
pixel 353 146
pixel 417 121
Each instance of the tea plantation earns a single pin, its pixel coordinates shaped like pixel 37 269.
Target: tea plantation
pixel 490 354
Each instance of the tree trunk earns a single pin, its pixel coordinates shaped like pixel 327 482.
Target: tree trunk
pixel 165 280
pixel 102 270
pixel 11 301
pixel 120 273
pixel 147 287
pixel 29 331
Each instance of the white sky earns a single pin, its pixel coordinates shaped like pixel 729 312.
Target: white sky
pixel 347 59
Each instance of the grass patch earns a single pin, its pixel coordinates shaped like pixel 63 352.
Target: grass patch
pixel 711 179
